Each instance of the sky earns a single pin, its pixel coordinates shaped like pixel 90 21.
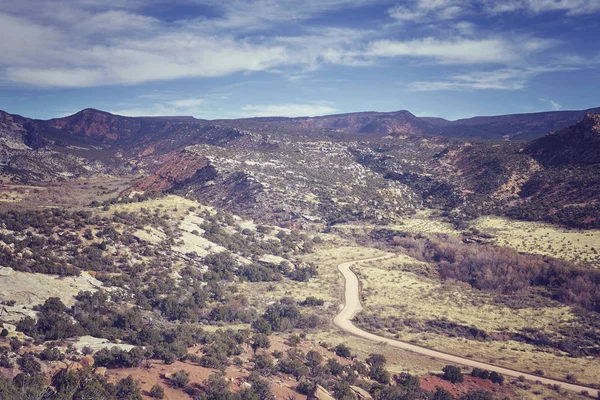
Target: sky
pixel 230 59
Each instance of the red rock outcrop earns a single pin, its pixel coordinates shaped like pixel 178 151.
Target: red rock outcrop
pixel 179 167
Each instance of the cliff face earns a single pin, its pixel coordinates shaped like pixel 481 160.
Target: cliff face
pixel 98 125
pixel 577 144
pixel 179 168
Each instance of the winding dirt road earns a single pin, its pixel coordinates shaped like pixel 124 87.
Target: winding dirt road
pixel 352 307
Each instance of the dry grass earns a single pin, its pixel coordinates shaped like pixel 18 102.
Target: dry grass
pixel 393 292
pixel 424 221
pixel 540 238
pixel 78 192
pixel 398 360
pixel 327 285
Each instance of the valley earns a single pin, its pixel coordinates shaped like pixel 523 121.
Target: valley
pixel 232 257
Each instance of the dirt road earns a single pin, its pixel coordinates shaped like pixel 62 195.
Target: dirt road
pixel 352 307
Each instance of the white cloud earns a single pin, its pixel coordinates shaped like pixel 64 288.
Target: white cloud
pixel 419 11
pixel 94 43
pixel 500 79
pixel 177 107
pixel 288 110
pixel 164 57
pixel 554 104
pixel 424 11
pixel 570 7
pixel 457 51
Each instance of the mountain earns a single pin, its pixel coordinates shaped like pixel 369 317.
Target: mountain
pixel 513 127
pixel 383 123
pixel 578 144
pixel 363 166
pixel 107 127
pixel 111 129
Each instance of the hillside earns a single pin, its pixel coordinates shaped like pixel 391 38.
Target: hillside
pixel 578 144
pixel 325 169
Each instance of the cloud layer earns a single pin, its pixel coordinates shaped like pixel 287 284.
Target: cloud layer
pixel 93 43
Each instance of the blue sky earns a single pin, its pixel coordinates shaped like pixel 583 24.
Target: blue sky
pixel 227 59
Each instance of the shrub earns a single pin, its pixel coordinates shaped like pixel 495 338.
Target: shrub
pixel 128 389
pixel 342 350
pixel 29 364
pixel 305 387
pixel 496 378
pixel 157 392
pixel 453 374
pixel 260 341
pixel 480 373
pixel 312 301
pixel 180 379
pixel 51 354
pixel 442 394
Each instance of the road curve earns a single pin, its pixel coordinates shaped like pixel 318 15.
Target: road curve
pixel 352 307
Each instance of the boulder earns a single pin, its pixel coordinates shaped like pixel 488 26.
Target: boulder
pixel 87 361
pixel 360 393
pixel 320 393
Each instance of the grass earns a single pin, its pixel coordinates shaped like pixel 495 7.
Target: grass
pixel 545 239
pixel 388 290
pixel 423 221
pixel 398 360
pixel 327 285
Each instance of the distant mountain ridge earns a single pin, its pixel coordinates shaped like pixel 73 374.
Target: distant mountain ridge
pixel 110 128
pixel 284 169
pixel 513 126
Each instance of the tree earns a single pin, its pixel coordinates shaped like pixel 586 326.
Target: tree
pixel 496 378
pixel 259 389
pixel 342 350
pixel 305 387
pixel 263 363
pixel 480 373
pixel 157 392
pixel 216 387
pixel 477 395
pixel 453 374
pixel 260 341
pixel 442 394
pixel 29 365
pixel 313 359
pixel 376 359
pixel 128 389
pixel 261 325
pixel 180 379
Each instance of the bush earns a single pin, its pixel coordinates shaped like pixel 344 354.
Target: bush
pixel 51 354
pixel 15 344
pixel 452 374
pixel 311 301
pixel 128 389
pixel 29 364
pixel 496 378
pixel 342 350
pixel 157 392
pixel 5 361
pixel 260 341
pixel 480 373
pixel 442 394
pixel 305 387
pixel 117 358
pixel 477 395
pixel 180 379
